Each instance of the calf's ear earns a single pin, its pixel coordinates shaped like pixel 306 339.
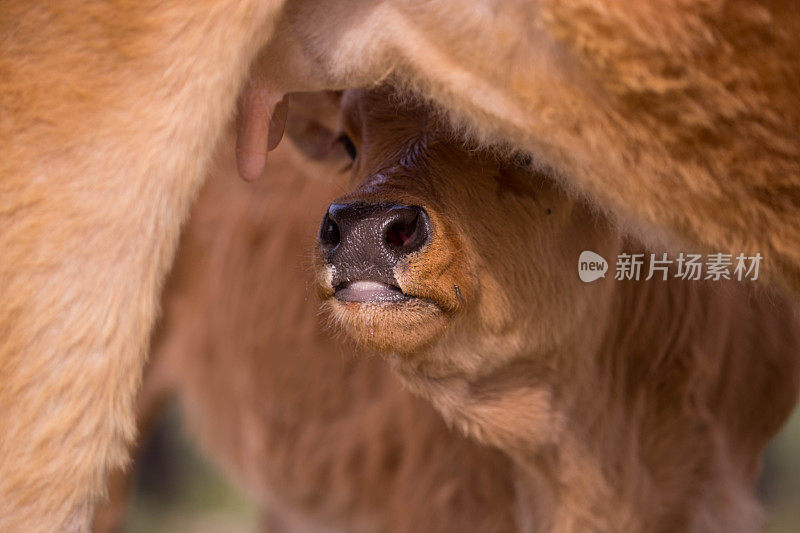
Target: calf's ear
pixel 312 122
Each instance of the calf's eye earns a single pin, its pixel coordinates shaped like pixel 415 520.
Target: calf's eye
pixel 349 145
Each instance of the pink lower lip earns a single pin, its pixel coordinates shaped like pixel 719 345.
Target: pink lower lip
pixel 369 292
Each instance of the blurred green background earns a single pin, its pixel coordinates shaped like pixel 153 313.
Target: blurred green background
pixel 177 491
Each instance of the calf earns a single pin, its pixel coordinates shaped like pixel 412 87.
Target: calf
pixel 318 435
pixel 625 406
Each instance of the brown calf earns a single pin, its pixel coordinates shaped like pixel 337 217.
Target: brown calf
pixel 317 434
pixel 625 406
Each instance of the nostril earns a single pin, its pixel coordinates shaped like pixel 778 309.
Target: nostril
pixel 400 233
pixel 329 234
pixel 408 231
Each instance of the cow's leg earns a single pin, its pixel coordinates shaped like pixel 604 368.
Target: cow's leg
pixel 158 389
pixel 108 112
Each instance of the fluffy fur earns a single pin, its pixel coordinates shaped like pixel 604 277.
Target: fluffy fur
pixel 626 406
pixel 109 112
pixel 680 118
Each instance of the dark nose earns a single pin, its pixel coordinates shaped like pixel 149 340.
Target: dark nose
pixel 365 241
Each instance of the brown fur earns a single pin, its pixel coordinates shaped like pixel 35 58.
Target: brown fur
pixel 680 118
pixel 626 406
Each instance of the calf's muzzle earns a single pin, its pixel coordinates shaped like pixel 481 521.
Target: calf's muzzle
pixel 363 242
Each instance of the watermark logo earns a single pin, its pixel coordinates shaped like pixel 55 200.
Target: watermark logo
pixel 686 266
pixel 591 266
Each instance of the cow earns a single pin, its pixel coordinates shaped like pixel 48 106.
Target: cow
pixel 625 404
pixel 679 119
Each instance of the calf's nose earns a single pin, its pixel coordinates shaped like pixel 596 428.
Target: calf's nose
pixel 365 241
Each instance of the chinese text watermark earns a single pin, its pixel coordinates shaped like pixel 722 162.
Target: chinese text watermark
pixel 694 267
